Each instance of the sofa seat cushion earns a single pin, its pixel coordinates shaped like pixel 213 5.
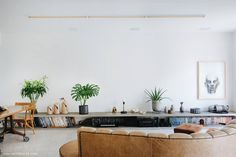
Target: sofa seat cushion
pixel 229 130
pixel 86 129
pixel 201 136
pixel 158 135
pixel 217 133
pixel 70 149
pixel 103 131
pixel 180 135
pixel 120 132
pixel 137 133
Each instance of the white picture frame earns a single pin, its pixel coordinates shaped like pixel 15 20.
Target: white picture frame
pixel 211 80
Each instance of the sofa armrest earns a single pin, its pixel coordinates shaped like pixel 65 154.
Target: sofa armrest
pixel 69 149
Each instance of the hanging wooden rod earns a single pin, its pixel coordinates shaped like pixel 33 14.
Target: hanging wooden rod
pixel 120 17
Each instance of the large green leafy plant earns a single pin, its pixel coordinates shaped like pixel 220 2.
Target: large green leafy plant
pixel 83 92
pixel 155 95
pixel 33 89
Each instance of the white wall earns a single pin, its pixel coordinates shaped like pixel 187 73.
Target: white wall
pixel 122 61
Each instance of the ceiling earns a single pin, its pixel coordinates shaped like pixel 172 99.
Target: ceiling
pixel 220 14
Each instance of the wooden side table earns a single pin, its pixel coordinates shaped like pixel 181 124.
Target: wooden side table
pixel 8 114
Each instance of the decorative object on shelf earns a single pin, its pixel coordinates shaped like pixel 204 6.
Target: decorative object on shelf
pixel 211 80
pixel 155 96
pixel 82 93
pixel 142 112
pixel 181 109
pixel 56 108
pixel 134 110
pixel 195 110
pixel 165 109
pixel 123 112
pixel 218 108
pixel 202 122
pixel 172 109
pixel 49 110
pixel 64 106
pixel 114 110
pixel 33 89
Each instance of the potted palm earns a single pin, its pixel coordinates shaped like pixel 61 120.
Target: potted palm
pixel 34 89
pixel 155 96
pixel 82 93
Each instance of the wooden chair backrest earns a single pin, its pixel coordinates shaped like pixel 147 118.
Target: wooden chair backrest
pixel 30 107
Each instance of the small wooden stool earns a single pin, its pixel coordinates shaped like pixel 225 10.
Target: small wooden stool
pixel 188 128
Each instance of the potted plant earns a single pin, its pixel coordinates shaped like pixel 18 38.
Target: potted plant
pixel 33 89
pixel 155 96
pixel 82 93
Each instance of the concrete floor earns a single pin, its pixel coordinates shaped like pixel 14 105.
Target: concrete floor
pixel 46 142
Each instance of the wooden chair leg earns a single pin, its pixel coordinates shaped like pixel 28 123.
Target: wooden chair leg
pixel 25 127
pixel 32 124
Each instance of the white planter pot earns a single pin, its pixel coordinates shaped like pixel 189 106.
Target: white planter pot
pixel 156 106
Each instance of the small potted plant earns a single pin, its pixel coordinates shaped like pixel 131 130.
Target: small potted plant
pixel 33 89
pixel 82 93
pixel 155 96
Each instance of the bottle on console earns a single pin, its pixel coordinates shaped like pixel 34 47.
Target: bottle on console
pixel 181 107
pixel 172 109
pixel 123 112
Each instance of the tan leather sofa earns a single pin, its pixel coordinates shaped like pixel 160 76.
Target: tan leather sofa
pixel 102 142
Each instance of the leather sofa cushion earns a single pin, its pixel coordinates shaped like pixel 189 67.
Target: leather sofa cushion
pixel 229 130
pixel 217 133
pixel 137 133
pixel 104 131
pixel 158 135
pixel 180 135
pixel 201 136
pixel 86 129
pixel 120 132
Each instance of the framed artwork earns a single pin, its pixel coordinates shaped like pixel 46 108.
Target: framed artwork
pixel 211 80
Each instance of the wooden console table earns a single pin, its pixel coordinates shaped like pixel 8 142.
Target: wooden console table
pixel 129 114
pixel 105 116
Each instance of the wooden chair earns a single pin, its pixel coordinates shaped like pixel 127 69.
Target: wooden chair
pixel 28 118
